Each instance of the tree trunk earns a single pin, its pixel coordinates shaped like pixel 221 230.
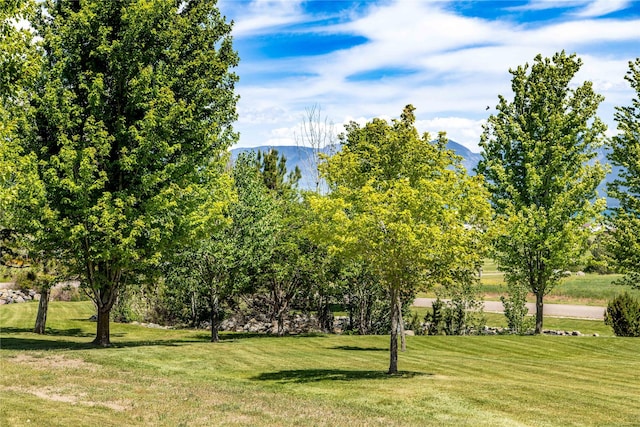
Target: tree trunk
pixel 280 320
pixel 102 327
pixel 403 339
pixel 539 311
pixel 43 307
pixel 393 347
pixel 215 323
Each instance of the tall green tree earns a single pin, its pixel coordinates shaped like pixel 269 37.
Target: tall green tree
pixel 22 201
pixel 132 110
pixel 21 191
pixel 404 206
pixel 626 154
pixel 273 168
pixel 223 262
pixel 289 265
pixel 537 161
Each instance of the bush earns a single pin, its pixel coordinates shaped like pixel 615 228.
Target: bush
pixel 623 315
pixel 515 309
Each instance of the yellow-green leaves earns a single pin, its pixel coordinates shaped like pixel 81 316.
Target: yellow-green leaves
pixel 401 204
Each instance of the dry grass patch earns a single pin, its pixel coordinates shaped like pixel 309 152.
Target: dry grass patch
pixel 47 362
pixel 54 394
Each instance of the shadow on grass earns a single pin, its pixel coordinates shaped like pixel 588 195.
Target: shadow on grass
pixel 233 336
pixel 316 375
pixel 72 332
pixel 354 348
pixel 34 342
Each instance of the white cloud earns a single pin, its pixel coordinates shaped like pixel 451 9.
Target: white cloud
pixel 459 66
pixel 460 129
pixel 603 7
pixel 590 8
pixel 261 16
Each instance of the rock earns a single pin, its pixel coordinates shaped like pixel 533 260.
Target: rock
pixel 580 273
pixel 409 333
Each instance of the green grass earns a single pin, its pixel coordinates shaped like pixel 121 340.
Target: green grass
pixel 591 289
pixel 173 377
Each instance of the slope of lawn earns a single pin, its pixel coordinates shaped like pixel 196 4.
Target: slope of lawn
pixel 173 377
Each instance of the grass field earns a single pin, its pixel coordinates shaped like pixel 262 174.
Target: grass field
pixel 174 377
pixel 590 289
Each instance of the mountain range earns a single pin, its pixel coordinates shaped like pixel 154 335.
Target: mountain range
pixel 299 156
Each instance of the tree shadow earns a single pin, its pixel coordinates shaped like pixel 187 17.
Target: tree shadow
pixel 354 348
pixel 52 340
pixel 72 332
pixel 316 375
pixel 236 336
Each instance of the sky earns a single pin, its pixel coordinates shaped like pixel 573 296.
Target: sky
pixel 356 60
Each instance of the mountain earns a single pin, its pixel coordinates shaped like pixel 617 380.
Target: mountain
pixel 299 156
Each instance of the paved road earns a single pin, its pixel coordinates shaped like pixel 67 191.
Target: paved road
pixel 551 310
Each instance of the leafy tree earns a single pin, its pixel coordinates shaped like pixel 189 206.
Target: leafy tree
pixel 289 265
pixel 223 263
pixel 403 205
pixel 536 158
pixel 132 110
pixel 22 201
pixel 21 191
pixel 626 153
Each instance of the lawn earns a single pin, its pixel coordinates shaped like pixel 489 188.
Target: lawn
pixel 590 289
pixel 174 377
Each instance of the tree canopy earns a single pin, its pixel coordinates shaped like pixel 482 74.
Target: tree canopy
pixel 626 153
pixel 537 158
pixel 131 111
pixel 402 204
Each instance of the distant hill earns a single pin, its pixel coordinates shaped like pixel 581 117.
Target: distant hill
pixel 299 156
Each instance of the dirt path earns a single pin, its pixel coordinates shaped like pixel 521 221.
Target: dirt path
pixel 551 310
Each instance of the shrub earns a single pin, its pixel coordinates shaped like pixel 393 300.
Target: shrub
pixel 623 315
pixel 515 309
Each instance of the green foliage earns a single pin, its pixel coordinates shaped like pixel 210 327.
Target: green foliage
pixel 221 263
pixel 600 259
pixel 129 113
pixel 461 314
pixel 515 309
pixel 273 169
pixel 401 204
pixel 626 154
pixel 537 160
pixel 623 315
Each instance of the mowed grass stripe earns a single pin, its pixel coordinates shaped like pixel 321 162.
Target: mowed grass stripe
pixel 172 377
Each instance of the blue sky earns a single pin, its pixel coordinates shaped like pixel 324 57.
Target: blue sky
pixel 355 60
